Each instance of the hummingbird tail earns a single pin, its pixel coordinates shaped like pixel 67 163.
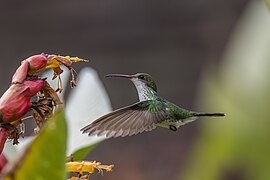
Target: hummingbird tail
pixel 210 114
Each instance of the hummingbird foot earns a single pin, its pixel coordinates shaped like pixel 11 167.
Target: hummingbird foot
pixel 173 128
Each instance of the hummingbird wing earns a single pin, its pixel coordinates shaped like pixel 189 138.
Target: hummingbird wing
pixel 130 120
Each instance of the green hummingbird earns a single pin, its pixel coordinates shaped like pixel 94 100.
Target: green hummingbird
pixel 151 111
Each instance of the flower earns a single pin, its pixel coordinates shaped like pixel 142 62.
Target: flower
pixel 85 103
pixel 16 102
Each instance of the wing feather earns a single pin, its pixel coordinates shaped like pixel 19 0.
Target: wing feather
pixel 129 120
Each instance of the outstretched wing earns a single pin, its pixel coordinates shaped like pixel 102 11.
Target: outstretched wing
pixel 130 120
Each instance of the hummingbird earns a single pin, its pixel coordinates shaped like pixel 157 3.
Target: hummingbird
pixel 150 112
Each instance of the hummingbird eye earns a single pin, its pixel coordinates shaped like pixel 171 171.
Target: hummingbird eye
pixel 141 76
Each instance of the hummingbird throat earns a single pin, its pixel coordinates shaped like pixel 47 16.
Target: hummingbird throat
pixel 145 93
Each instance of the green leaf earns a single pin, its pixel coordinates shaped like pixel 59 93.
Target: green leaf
pixel 81 153
pixel 45 157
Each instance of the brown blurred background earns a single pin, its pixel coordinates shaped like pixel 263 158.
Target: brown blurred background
pixel 171 40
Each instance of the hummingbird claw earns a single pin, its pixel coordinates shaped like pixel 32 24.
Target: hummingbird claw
pixel 173 128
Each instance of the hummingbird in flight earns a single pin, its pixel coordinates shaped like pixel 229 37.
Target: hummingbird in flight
pixel 150 112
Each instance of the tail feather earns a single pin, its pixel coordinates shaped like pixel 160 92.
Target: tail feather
pixel 210 114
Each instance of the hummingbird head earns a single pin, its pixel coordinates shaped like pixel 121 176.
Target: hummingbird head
pixel 140 80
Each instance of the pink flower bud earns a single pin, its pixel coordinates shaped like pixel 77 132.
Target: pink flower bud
pixel 36 63
pixel 21 73
pixel 34 85
pixel 15 102
pixel 30 66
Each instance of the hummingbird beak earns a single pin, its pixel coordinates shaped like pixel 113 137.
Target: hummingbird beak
pixel 120 76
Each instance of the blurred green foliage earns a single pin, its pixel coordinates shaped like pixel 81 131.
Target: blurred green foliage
pixel 82 153
pixel 268 2
pixel 45 158
pixel 237 147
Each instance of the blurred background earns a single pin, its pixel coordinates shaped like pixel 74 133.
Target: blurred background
pixel 209 55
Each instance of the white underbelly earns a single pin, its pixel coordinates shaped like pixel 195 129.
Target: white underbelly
pixel 177 124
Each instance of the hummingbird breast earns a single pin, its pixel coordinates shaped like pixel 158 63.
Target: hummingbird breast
pixel 146 93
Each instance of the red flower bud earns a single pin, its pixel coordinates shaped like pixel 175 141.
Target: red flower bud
pixel 36 63
pixel 15 102
pixel 34 85
pixel 21 73
pixel 30 66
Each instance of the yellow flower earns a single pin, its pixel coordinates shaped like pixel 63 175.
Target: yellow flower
pixel 87 166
